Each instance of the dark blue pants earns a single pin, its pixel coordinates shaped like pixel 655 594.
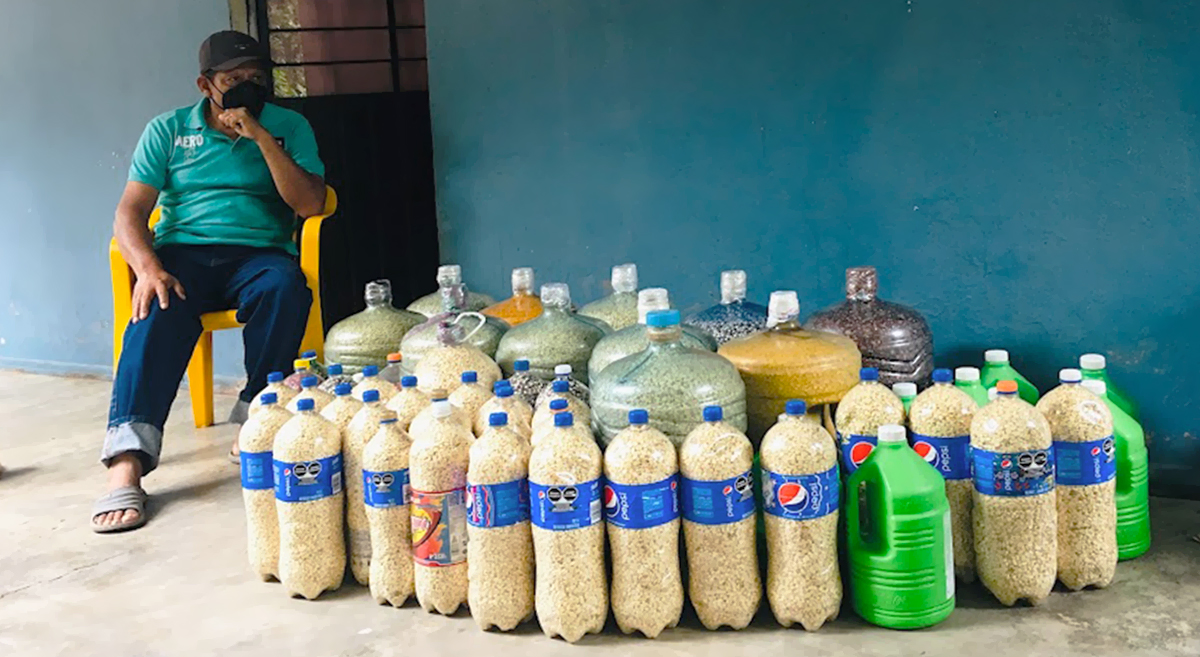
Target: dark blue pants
pixel 268 290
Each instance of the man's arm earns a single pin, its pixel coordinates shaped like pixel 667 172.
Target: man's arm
pixel 137 247
pixel 304 192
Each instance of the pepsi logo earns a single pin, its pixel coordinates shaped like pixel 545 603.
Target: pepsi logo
pixel 927 452
pixel 611 503
pixel 792 496
pixel 1006 463
pixel 727 490
pixel 1095 451
pixel 860 451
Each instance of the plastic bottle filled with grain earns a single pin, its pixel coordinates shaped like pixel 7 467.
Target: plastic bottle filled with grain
pixel 309 390
pixel 519 414
pixel 544 412
pixel 641 508
pixel 479 331
pixel 801 489
pixel 372 381
pixel 566 508
pixel 438 471
pixel 303 367
pixel 425 420
pixel 307 460
pixel 632 339
pixel 868 406
pixel 500 545
pixel 717 500
pixel 255 442
pixel 1015 512
pixel 367 337
pixel 342 409
pixel 449 276
pixel 385 499
pixel 408 403
pixel 558 407
pixel 361 428
pixel 618 309
pixel 441 366
pixel 524 303
pixel 275 384
pixel 337 376
pixel 562 372
pixel 1085 471
pixel 471 395
pixel 525 385
pixel 734 317
pixel 557 336
pixel 940 421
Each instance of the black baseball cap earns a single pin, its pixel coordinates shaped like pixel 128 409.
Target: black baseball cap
pixel 228 49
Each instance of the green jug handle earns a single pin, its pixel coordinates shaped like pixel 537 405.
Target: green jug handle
pixel 867 491
pixel 482 320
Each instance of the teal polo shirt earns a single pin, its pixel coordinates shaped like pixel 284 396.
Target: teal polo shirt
pixel 217 190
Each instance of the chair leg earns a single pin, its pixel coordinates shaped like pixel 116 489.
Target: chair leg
pixel 200 381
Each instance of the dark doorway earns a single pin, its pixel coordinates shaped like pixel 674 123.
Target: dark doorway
pixel 356 69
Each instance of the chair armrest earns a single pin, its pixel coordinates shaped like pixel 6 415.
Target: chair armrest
pixel 310 264
pixel 122 289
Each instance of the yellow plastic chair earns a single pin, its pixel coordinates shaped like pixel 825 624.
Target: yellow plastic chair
pixel 200 368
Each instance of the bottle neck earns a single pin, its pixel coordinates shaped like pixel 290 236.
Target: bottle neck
pixel 378 294
pixel 789 324
pixel 664 337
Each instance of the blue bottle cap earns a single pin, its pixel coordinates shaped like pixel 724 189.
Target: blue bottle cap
pixel 497 419
pixel 662 318
pixel 521 365
pixel 274 377
pixel 408 382
pixel 306 404
pixel 370 395
pixel 560 386
pixel 370 370
pixel 869 374
pixel 563 419
pixel 309 354
pixel 558 404
pixel 943 375
pixel 502 388
pixel 639 416
pixel 795 407
pixel 268 398
pixel 343 389
pixel 470 376
pixel 713 414
pixel 335 369
pixel 309 382
pixel 388 420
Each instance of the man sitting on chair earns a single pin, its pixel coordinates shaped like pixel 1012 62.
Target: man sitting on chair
pixel 230 173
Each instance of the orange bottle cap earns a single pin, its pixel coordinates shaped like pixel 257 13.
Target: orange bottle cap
pixel 394 357
pixel 1006 386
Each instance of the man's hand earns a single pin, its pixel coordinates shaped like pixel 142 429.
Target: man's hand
pixel 158 285
pixel 241 121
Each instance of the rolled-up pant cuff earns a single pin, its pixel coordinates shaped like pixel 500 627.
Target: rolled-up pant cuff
pixel 144 440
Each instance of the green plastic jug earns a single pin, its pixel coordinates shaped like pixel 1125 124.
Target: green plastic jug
pixel 967 380
pixel 1133 478
pixel 907 392
pixel 1093 368
pixel 997 368
pixel 899 547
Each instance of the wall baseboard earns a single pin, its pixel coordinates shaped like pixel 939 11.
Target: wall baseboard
pixel 221 384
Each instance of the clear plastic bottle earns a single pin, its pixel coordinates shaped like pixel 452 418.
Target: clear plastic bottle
pixel 868 406
pixel 471 395
pixel 543 414
pixel 519 414
pixel 309 390
pixel 967 380
pixel 576 387
pixel 303 367
pixel 408 403
pixel 343 407
pixel 441 367
pixel 392 373
pixel 256 441
pixel 906 391
pixel 361 428
pixel 894 338
pixel 996 368
pixel 734 317
pixel 1094 367
pixel 632 339
pixel 311 356
pixel 386 499
pixel 372 381
pixel 555 337
pixel 337 376
pixel 525 385
pixel 789 362
pixel 366 338
pixel 557 407
pixel 618 309
pixel 275 384
pixel 523 305
pixel 480 331
pixel 449 275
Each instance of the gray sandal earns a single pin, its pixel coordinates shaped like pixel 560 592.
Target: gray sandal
pixel 128 498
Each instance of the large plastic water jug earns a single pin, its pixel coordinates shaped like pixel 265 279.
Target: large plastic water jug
pixel 1133 478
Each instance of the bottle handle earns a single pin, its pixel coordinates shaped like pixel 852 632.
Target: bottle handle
pixel 870 523
pixel 482 320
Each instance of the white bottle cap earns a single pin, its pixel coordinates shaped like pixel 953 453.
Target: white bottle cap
pixel 449 275
pixel 783 306
pixel 624 278
pixel 891 433
pixel 995 356
pixel 556 294
pixel 1098 388
pixel 993 393
pixel 522 280
pixel 651 299
pixel 442 408
pixel 562 370
pixel 733 286
pixel 1092 361
pixel 904 389
pixel 1069 375
pixel 966 374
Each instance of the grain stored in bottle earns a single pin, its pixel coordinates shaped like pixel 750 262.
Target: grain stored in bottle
pixel 343 407
pixel 717 500
pixel 526 386
pixel 571 590
pixel 618 309
pixel 438 471
pixel 1085 471
pixel 441 366
pixel 425 419
pixel 307 459
pixel 559 406
pixel 543 414
pixel 1015 513
pixel 408 402
pixel 255 442
pixel 309 390
pixel 371 381
pixel 800 485
pixel 563 372
pixel 386 497
pixel 275 384
pixel 940 420
pixel 361 428
pixel 641 509
pixel 866 407
pixel 470 396
pixel 500 545
pixel 337 376
pixel 520 415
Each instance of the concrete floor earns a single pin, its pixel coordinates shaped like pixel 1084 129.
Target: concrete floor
pixel 180 586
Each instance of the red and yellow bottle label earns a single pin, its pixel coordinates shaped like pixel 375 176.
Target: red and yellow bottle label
pixel 439 527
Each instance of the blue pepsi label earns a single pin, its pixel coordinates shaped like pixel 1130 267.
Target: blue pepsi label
pixel 1085 464
pixel 1014 474
pixel 801 497
pixel 949 456
pixel 855 450
pixel 563 507
pixel 639 506
pixel 385 489
pixel 498 505
pixel 257 472
pixel 718 502
pixel 308 481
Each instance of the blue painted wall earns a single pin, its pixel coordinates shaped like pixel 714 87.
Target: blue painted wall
pixel 78 82
pixel 1022 172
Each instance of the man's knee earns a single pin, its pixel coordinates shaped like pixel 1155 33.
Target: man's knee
pixel 284 287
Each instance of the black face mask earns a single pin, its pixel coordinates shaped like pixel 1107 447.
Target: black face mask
pixel 248 94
